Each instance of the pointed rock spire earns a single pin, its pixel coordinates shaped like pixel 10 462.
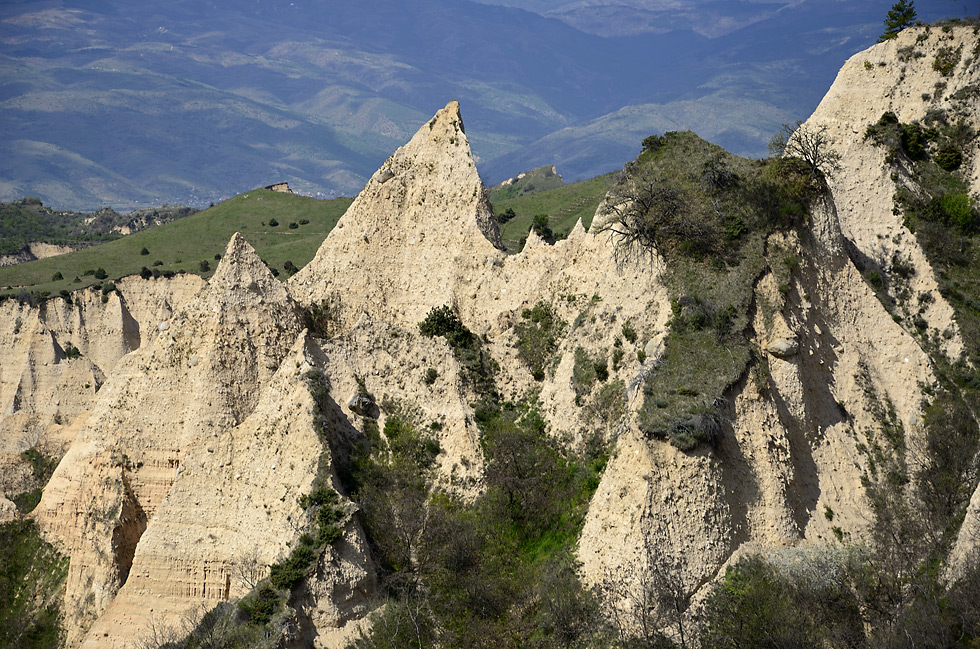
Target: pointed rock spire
pixel 242 272
pixel 416 235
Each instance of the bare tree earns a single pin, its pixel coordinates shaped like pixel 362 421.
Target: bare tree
pixel 158 634
pixel 808 143
pixel 644 213
pixel 646 601
pixel 247 570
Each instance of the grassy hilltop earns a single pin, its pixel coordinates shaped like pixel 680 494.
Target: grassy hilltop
pixel 301 225
pixel 282 228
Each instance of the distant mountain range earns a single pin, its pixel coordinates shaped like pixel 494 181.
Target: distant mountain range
pixel 108 102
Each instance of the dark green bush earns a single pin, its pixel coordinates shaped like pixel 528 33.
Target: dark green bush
pixel 629 333
pixel 260 606
pixel 949 158
pixel 144 251
pixel 914 140
pixel 539 223
pixel 537 338
pixel 946 60
pixel 441 321
pixel 506 215
pixel 100 273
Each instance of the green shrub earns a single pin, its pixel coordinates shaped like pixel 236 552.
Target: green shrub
pixel 506 215
pixel 273 223
pixel 583 372
pixel 953 208
pixel 430 376
pixel 537 338
pixel 204 266
pixel 946 60
pixel 71 352
pixel 629 333
pixel 57 277
pixel 601 369
pixel 144 251
pixel 441 321
pixel 100 273
pixel 260 606
pixel 293 226
pixel 949 158
pixel 913 139
pixel 539 223
pixel 32 576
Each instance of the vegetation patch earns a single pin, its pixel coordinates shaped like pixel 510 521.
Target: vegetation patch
pixel 478 367
pixel 468 574
pixel 32 577
pixel 42 467
pixel 197 236
pixel 538 334
pixel 708 217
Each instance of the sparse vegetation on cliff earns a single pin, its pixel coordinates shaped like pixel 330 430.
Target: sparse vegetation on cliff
pixel 707 216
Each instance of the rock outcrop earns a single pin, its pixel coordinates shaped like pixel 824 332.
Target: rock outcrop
pixel 898 76
pixel 200 376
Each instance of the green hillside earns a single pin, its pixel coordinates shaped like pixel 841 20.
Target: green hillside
pixel 528 182
pixel 563 205
pixel 183 245
pixel 28 219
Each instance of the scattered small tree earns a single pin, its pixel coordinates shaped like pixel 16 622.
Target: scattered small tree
pixel 901 15
pixel 808 143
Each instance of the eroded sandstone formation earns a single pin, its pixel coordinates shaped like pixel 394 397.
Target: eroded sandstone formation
pixel 199 414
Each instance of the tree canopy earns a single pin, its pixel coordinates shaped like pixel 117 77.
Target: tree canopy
pixel 901 15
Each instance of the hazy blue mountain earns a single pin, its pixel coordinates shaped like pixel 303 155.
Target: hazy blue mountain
pixel 106 102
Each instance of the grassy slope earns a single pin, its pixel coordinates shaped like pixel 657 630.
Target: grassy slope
pixel 182 245
pixel 564 206
pixel 194 239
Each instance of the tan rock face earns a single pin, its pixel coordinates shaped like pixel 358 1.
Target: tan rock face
pixel 883 79
pixel 872 82
pixel 234 501
pixel 42 391
pixel 200 375
pixel 411 238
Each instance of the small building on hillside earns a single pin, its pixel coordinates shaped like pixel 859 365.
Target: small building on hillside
pixel 280 187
